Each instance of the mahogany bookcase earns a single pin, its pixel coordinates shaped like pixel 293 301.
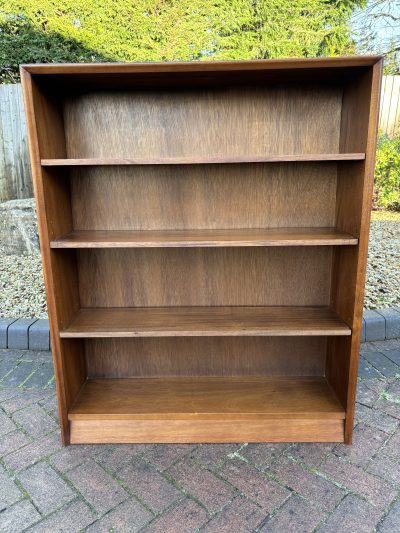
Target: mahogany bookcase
pixel 204 233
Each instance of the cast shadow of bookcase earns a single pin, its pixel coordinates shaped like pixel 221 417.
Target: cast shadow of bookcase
pixel 204 234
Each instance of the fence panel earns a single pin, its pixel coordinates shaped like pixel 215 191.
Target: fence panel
pixel 15 172
pixel 389 121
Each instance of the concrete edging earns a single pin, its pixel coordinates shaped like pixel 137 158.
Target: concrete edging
pixel 24 333
pixel 33 334
pixel 381 324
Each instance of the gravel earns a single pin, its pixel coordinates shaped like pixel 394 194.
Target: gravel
pixel 21 286
pixel 22 289
pixel 383 270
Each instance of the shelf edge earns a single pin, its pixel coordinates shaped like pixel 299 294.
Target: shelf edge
pixel 203 161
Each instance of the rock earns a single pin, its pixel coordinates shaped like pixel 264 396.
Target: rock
pixel 18 228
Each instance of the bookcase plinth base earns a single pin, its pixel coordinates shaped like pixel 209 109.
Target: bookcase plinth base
pixel 204 431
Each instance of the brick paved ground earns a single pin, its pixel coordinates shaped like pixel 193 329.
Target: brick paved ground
pixel 214 488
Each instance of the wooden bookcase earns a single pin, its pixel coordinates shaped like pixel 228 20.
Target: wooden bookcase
pixel 204 233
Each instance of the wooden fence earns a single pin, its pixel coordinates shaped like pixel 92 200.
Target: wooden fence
pixel 389 121
pixel 15 174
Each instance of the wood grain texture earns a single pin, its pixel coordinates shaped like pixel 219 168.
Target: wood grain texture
pixel 159 277
pixel 70 79
pixel 193 431
pixel 205 321
pixel 192 160
pixel 152 125
pixel 204 196
pixel 15 170
pixel 205 356
pixel 206 399
pixel 318 64
pixel 359 129
pixel 212 410
pixel 53 206
pixel 48 111
pixel 204 238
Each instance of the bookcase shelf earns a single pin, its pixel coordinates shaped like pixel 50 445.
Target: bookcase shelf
pixel 204 321
pixel 278 158
pixel 204 236
pixel 259 408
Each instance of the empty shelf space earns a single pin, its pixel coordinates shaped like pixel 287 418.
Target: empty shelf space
pixel 205 321
pixel 207 398
pixel 206 409
pixel 205 238
pixel 203 160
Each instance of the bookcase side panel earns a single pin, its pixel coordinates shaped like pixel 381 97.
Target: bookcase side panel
pixel 353 211
pixel 53 205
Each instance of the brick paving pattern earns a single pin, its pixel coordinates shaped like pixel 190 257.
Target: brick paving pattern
pixel 235 488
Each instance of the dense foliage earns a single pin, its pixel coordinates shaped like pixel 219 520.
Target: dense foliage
pixel 387 173
pixel 156 30
pixel 20 43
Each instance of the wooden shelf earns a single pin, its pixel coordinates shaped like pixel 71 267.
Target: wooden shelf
pixel 205 321
pixel 205 238
pixel 206 396
pixel 255 408
pixel 202 160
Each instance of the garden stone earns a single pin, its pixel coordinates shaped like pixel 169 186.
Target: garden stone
pixel 18 228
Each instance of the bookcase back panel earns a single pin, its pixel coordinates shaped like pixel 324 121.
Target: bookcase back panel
pixel 206 356
pixel 234 121
pixel 205 276
pixel 204 196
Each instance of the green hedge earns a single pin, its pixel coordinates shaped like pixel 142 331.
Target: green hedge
pixel 173 30
pixel 387 173
pixel 22 42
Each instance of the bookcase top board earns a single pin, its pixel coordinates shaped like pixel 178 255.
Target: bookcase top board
pixel 201 73
pixel 203 66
